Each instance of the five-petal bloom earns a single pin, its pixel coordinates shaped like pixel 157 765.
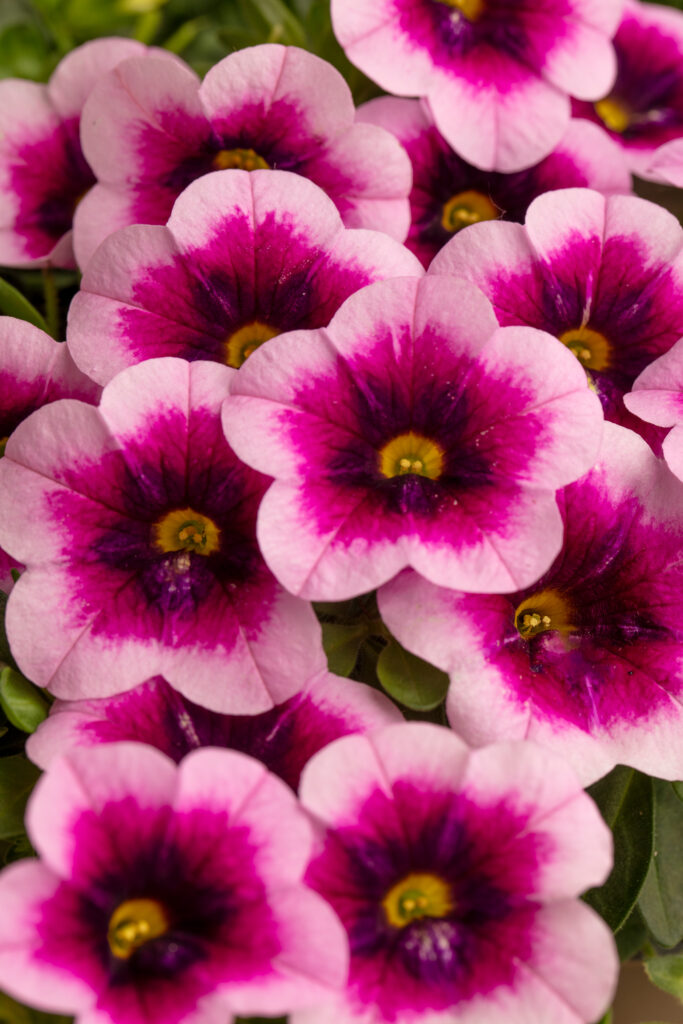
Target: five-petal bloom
pixel 137 523
pixel 644 109
pixel 43 173
pixel 455 873
pixel 284 738
pixel 588 659
pixel 449 194
pixel 245 256
pixel 496 75
pixel 412 431
pixel 602 274
pixel 150 129
pixel 164 894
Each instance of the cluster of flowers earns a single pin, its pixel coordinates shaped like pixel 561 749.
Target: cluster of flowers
pixel 265 400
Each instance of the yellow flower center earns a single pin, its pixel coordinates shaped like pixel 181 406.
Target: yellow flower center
pixel 246 340
pixel 591 348
pixel 416 896
pixel 411 453
pixel 613 114
pixel 470 9
pixel 547 610
pixel 134 923
pixel 186 530
pixel 238 159
pixel 467 208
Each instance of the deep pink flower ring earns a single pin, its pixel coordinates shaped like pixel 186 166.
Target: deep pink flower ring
pixel 657 397
pixel 394 438
pixel 588 659
pixel 137 523
pixel 284 738
pixel 43 173
pixel 644 109
pixel 164 894
pixel 456 873
pixel 34 370
pixel 244 257
pixel 602 274
pixel 148 131
pixel 449 194
pixel 496 76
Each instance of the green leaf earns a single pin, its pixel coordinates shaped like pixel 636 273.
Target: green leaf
pixel 632 936
pixel 342 644
pixel 284 26
pixel 661 901
pixel 13 303
pixel 607 1019
pixel 678 789
pixel 5 653
pixel 410 680
pixel 17 778
pixel 625 800
pixel 666 972
pixel 21 701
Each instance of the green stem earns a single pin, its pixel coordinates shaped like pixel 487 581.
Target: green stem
pixel 51 297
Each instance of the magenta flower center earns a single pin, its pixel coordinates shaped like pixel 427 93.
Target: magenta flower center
pixel 183 529
pixel 239 159
pixel 466 208
pixel 591 348
pixel 247 339
pixel 415 897
pixel 547 610
pixel 411 453
pixel 134 923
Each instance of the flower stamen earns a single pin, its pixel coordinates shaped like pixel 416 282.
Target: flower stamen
pixel 134 923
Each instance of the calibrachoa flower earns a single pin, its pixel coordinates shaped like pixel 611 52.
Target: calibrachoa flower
pixel 455 874
pixel 496 75
pixel 34 370
pixel 43 173
pixel 148 131
pixel 395 436
pixel 165 894
pixel 588 659
pixel 644 108
pixel 137 523
pixel 602 274
pixel 449 194
pixel 284 738
pixel 245 256
pixel 657 397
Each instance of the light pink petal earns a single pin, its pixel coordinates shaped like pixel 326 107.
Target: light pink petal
pixel 506 123
pixel 657 394
pixel 338 778
pixel 672 450
pixel 666 164
pixel 87 780
pixel 577 845
pixel 76 74
pixel 144 113
pixel 107 289
pixel 269 73
pixel 478 253
pixel 381 174
pixel 102 210
pixel 227 780
pixel 312 964
pixel 24 887
pixel 585 65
